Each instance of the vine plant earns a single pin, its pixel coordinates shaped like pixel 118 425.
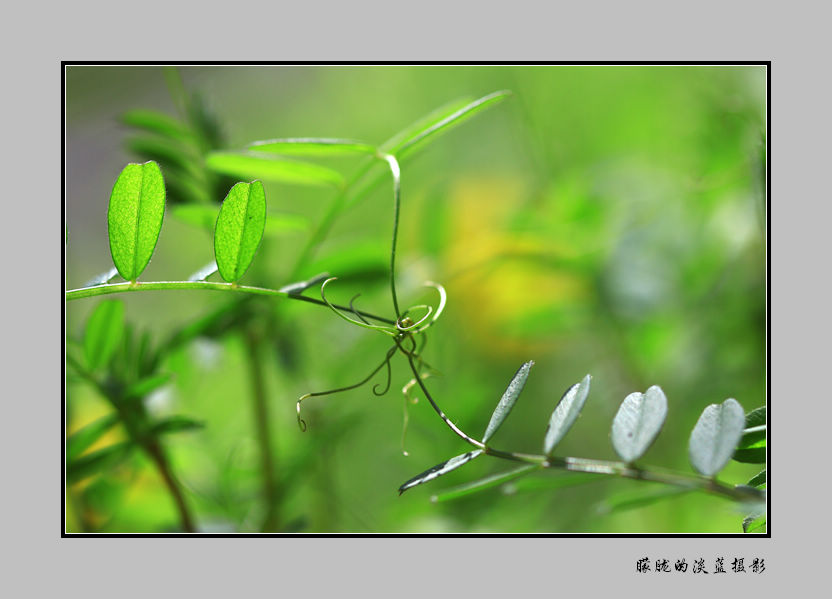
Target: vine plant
pixel 135 214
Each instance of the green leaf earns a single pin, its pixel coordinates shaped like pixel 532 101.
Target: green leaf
pixel 444 124
pixel 85 437
pixel 168 152
pixel 97 461
pixel 752 446
pixel 105 329
pixel 565 414
pixel 250 165
pixel 313 146
pixel 440 469
pixel 239 229
pixel 638 499
pixel 147 385
pixel 176 424
pixel 156 122
pixel 482 484
pixel 753 437
pixel 754 523
pixel 715 436
pixel 134 217
pixel 758 481
pixel 751 455
pixel 638 422
pixel 756 417
pixel 205 217
pixel 507 401
pixel 549 483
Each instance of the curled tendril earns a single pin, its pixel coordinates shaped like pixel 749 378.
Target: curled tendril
pixel 356 312
pixel 386 330
pixel 386 361
pixel 443 296
pixel 376 392
pixel 405 323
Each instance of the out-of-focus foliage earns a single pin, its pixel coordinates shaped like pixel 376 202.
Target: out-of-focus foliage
pixel 601 219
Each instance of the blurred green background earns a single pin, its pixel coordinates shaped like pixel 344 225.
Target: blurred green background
pixel 607 220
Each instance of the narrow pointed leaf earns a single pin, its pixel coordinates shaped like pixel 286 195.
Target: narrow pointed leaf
pixel 638 499
pixel 482 484
pixel 85 437
pixel 638 422
pixel 756 417
pixel 169 152
pixel 752 446
pixel 508 400
pixel 422 124
pixel 715 436
pixel 176 424
pixel 97 461
pixel 565 414
pixel 104 332
pixel 758 481
pixel 250 165
pixel 440 469
pixel 444 124
pixel 134 217
pixel 239 229
pixel 754 523
pixel 156 122
pixel 312 146
pixel 147 385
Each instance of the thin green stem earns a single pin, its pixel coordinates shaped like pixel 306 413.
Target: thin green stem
pixel 396 172
pixel 260 412
pixel 112 288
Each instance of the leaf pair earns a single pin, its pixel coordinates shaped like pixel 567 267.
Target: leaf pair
pixel 137 207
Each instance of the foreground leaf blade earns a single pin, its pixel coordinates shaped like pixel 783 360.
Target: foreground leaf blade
pixel 97 461
pixel 85 437
pixel 483 484
pixel 176 424
pixel 239 229
pixel 105 329
pixel 715 436
pixel 156 122
pixel 252 165
pixel 638 422
pixel 312 146
pixel 440 469
pixel 565 414
pixel 507 401
pixel 134 217
pixel 444 124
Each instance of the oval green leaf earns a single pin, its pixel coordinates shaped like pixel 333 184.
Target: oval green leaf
pixel 105 329
pixel 715 436
pixel 239 229
pixel 565 414
pixel 134 217
pixel 638 422
pixel 250 165
pixel 508 400
pixel 440 469
pixel 313 146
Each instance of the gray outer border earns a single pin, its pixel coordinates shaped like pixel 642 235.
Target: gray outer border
pixel 42 561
